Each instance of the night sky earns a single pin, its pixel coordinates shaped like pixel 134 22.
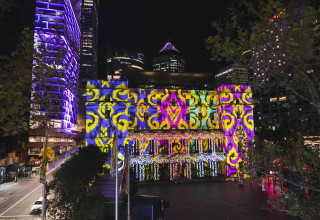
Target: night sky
pixel 146 26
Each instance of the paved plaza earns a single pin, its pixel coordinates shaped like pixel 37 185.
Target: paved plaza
pixel 212 200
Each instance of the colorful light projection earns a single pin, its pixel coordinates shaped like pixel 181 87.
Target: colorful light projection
pixel 106 110
pixel 57 27
pixel 172 109
pixel 111 103
pixel 235 111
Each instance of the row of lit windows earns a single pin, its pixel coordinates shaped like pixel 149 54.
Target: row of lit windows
pixel 113 77
pixel 283 98
pixel 87 36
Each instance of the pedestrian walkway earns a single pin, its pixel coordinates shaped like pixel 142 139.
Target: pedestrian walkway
pixel 7 185
pixel 213 200
pixel 21 217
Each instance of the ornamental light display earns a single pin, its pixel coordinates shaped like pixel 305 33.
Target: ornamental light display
pixel 171 133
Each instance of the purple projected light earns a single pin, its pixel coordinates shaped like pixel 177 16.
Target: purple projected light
pixel 57 27
pixel 236 120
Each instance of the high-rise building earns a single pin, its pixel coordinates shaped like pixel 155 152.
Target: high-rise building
pixel 88 42
pixel 57 27
pixel 276 102
pixel 169 60
pixel 88 52
pixel 232 74
pixel 120 61
pixel 270 102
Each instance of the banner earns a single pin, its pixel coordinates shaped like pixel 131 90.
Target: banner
pixel 44 161
pixel 124 187
pixel 44 165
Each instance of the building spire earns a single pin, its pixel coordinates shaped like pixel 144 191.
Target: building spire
pixel 168 46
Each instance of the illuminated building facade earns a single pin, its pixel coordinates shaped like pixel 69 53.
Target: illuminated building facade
pixel 232 74
pixel 172 134
pixel 169 60
pixel 88 42
pixel 124 61
pixel 57 27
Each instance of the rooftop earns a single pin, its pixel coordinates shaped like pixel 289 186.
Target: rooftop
pixel 168 47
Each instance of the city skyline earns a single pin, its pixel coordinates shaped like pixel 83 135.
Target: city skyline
pixel 146 26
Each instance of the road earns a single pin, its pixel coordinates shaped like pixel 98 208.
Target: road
pixel 16 201
pixel 19 199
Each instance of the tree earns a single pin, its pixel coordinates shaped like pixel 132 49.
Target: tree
pixel 286 29
pixel 25 74
pixel 289 31
pixel 5 6
pixel 69 197
pixel 15 87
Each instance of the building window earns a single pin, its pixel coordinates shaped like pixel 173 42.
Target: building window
pixel 283 98
pixel 273 99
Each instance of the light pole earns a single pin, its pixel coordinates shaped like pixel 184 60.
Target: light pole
pixel 128 179
pixel 43 176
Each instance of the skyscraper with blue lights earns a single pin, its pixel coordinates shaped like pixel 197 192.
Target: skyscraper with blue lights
pixel 57 27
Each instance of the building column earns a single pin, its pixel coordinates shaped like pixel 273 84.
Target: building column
pixel 212 167
pixel 174 170
pixel 201 147
pixel 172 142
pixel 197 145
pixel 171 171
pixel 197 166
pixel 156 148
pixel 188 147
pixel 141 172
pixel 137 171
pixel 153 171
pixel 137 147
pixel 188 170
pixel 215 168
pixel 156 171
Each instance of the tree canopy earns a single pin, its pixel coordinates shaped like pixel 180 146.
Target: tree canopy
pixel 282 39
pixel 69 197
pixel 287 35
